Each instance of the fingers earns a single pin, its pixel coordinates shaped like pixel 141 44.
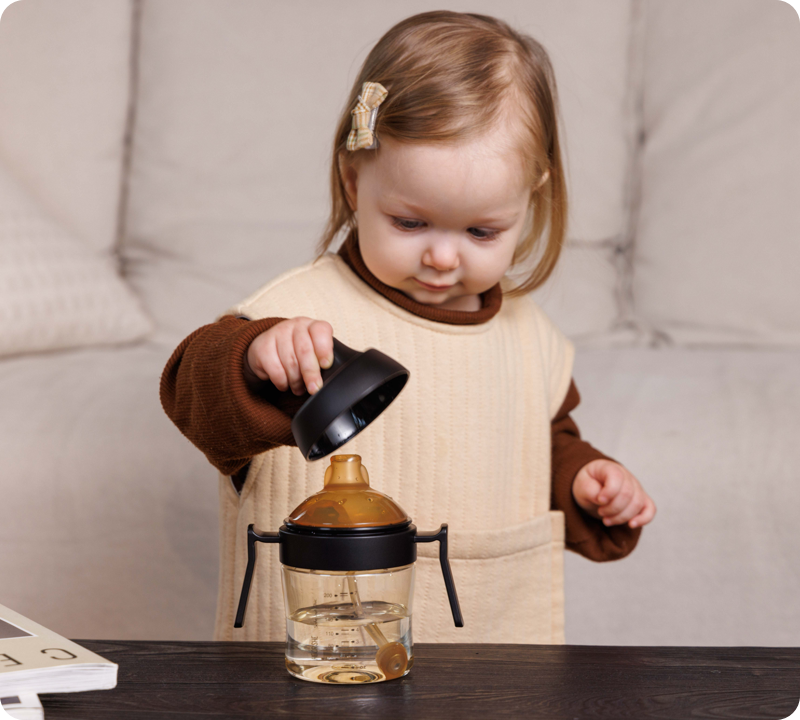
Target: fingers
pixel 611 475
pixel 311 344
pixel 644 517
pixel 321 334
pixel 290 354
pixel 266 346
pixel 628 511
pixel 585 489
pixel 621 498
pixel 621 502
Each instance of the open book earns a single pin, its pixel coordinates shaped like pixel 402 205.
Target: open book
pixel 34 659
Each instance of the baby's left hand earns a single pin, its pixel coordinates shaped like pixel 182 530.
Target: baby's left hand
pixel 609 491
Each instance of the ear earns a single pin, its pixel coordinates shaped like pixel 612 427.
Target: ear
pixel 349 174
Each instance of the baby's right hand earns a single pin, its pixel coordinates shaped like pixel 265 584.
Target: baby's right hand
pixel 291 353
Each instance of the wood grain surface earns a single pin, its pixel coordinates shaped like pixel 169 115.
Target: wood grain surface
pixel 172 680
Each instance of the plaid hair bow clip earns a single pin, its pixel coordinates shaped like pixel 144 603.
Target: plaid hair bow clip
pixel 365 115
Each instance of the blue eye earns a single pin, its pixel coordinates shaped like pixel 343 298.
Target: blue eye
pixel 404 224
pixel 480 234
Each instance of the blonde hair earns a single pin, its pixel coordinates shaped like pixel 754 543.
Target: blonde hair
pixel 451 76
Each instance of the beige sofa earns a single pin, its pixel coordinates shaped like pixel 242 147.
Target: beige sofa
pixel 150 176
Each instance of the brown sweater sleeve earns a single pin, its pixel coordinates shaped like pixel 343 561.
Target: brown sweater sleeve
pixel 205 393
pixel 585 534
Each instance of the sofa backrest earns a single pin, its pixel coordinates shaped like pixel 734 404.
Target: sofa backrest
pixel 157 130
pixel 64 90
pixel 717 243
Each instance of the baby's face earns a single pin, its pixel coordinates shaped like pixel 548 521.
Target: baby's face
pixel 440 222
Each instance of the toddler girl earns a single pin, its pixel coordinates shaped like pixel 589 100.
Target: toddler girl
pixel 446 171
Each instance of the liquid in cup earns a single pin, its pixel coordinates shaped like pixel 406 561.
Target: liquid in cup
pixel 351 636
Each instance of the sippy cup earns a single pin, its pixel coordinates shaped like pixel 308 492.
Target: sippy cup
pixel 347 567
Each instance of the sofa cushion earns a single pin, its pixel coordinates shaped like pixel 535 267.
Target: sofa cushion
pixel 718 244
pixel 64 80
pixel 110 515
pixel 56 292
pixel 712 436
pixel 228 189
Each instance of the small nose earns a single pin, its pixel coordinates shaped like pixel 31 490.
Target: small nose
pixel 442 254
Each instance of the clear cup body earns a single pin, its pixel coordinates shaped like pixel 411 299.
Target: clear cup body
pixel 348 627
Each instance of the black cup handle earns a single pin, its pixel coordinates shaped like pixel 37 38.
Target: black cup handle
pixel 252 538
pixel 440 535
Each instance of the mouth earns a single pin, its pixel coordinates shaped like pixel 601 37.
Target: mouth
pixel 433 288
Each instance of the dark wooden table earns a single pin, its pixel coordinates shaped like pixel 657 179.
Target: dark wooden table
pixel 172 680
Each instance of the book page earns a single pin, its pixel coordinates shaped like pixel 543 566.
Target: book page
pixel 26 645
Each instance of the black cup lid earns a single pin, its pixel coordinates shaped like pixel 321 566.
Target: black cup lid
pixel 357 388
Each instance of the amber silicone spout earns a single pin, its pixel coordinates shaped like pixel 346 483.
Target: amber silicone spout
pixel 347 500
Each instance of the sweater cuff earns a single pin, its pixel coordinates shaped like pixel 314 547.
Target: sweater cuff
pixel 204 393
pixel 584 534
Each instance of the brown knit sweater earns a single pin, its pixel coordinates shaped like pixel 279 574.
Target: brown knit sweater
pixel 231 416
